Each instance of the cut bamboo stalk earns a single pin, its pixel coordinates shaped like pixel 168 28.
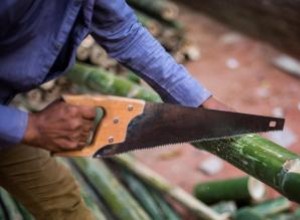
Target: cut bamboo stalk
pixel 107 83
pixel 84 48
pixel 156 181
pixel 48 85
pixel 263 210
pixel 97 55
pixel 88 42
pixel 259 157
pixel 163 10
pixel 115 195
pixel 244 189
pixel 262 159
pixel 34 98
pixel 190 51
pixel 82 53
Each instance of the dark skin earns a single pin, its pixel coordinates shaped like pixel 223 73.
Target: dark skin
pixel 63 127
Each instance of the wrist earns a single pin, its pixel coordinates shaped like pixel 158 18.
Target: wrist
pixel 31 132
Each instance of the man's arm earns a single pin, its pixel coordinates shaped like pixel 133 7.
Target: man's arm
pixel 13 123
pixel 116 28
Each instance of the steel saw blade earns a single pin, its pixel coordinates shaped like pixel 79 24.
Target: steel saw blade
pixel 165 124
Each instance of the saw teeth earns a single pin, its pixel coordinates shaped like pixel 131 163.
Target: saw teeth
pixel 109 151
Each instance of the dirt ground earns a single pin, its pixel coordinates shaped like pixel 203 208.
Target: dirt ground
pixel 238 71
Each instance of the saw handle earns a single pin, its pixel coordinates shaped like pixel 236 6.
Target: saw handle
pixel 118 112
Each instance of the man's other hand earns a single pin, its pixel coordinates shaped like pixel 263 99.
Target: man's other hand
pixel 213 103
pixel 60 127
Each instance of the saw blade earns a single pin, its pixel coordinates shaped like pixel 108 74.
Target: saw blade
pixel 165 124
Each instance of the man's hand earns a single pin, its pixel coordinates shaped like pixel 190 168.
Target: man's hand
pixel 60 127
pixel 213 103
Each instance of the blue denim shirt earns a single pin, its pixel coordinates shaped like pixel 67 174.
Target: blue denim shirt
pixel 38 40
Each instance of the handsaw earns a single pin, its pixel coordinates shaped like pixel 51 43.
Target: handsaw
pixel 131 124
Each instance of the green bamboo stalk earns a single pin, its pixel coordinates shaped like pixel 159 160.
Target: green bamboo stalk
pixel 10 206
pixel 168 212
pixel 242 189
pixel 227 207
pixel 262 159
pixel 105 82
pixel 248 214
pixel 263 210
pixel 142 195
pixel 259 157
pixel 159 183
pixel 132 77
pixel 86 192
pixel 284 216
pixel 273 206
pixel 115 195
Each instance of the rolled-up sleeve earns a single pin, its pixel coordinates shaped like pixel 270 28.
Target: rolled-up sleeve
pixel 116 28
pixel 13 123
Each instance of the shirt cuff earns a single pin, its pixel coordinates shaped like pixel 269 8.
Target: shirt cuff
pixel 189 92
pixel 13 124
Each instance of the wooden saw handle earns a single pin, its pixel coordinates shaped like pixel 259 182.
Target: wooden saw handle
pixel 113 127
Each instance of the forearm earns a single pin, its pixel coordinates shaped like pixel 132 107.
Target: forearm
pixel 131 44
pixel 13 123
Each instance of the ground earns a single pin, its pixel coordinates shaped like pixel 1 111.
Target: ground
pixel 239 72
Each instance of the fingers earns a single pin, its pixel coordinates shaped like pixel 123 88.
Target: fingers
pixel 64 127
pixel 88 112
pixel 80 132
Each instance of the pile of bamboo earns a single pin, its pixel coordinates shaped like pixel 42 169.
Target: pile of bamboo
pixel 244 198
pixel 161 20
pixel 40 97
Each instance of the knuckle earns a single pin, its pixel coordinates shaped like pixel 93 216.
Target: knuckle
pixel 93 112
pixel 73 111
pixel 76 135
pixel 75 124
